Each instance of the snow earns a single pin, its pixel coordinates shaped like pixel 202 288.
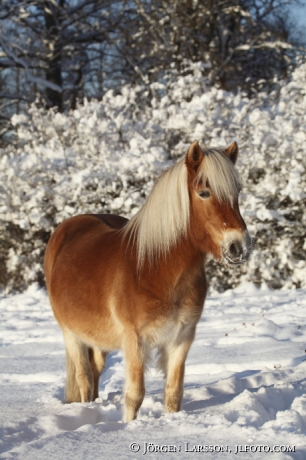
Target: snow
pixel 245 385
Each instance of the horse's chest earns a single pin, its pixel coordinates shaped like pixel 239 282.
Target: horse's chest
pixel 172 318
pixel 170 328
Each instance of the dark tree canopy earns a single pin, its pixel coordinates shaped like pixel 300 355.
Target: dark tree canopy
pixel 64 50
pixel 239 42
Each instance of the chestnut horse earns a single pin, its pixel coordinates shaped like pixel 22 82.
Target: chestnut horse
pixel 140 284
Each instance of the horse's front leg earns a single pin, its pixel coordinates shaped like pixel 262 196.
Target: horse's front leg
pixel 134 388
pixel 176 355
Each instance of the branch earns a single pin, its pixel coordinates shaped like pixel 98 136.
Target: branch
pixel 15 96
pixel 276 44
pixel 154 29
pixel 29 76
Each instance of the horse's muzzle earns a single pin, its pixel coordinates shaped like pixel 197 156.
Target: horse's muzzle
pixel 237 251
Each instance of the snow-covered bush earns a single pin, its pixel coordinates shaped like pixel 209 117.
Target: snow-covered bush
pixel 104 157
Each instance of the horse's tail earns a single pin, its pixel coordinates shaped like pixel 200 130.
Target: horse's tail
pixel 72 390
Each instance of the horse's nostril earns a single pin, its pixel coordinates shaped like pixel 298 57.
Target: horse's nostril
pixel 234 249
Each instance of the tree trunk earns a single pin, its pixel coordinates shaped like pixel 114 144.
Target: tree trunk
pixel 54 72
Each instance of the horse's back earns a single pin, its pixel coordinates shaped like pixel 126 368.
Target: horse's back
pixel 78 228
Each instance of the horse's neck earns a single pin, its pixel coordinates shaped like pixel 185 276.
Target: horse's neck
pixel 181 268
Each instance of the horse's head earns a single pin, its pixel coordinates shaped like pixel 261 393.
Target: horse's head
pixel 216 225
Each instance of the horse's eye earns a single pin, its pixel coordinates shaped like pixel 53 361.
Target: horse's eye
pixel 204 193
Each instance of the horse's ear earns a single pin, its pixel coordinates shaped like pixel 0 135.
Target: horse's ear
pixel 232 152
pixel 194 156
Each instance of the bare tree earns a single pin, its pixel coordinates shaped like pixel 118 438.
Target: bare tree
pixel 51 42
pixel 65 50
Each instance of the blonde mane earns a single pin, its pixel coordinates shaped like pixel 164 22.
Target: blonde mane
pixel 164 217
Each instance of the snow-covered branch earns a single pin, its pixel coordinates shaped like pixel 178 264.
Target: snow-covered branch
pixel 104 157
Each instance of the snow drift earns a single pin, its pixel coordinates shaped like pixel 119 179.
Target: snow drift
pixel 244 386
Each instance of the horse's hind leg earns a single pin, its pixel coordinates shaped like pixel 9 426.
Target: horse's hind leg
pixel 97 360
pixel 79 383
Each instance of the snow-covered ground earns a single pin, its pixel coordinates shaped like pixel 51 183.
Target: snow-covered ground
pixel 245 385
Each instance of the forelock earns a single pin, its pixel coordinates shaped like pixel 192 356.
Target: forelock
pixel 221 175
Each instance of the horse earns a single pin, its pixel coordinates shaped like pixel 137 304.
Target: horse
pixel 140 284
